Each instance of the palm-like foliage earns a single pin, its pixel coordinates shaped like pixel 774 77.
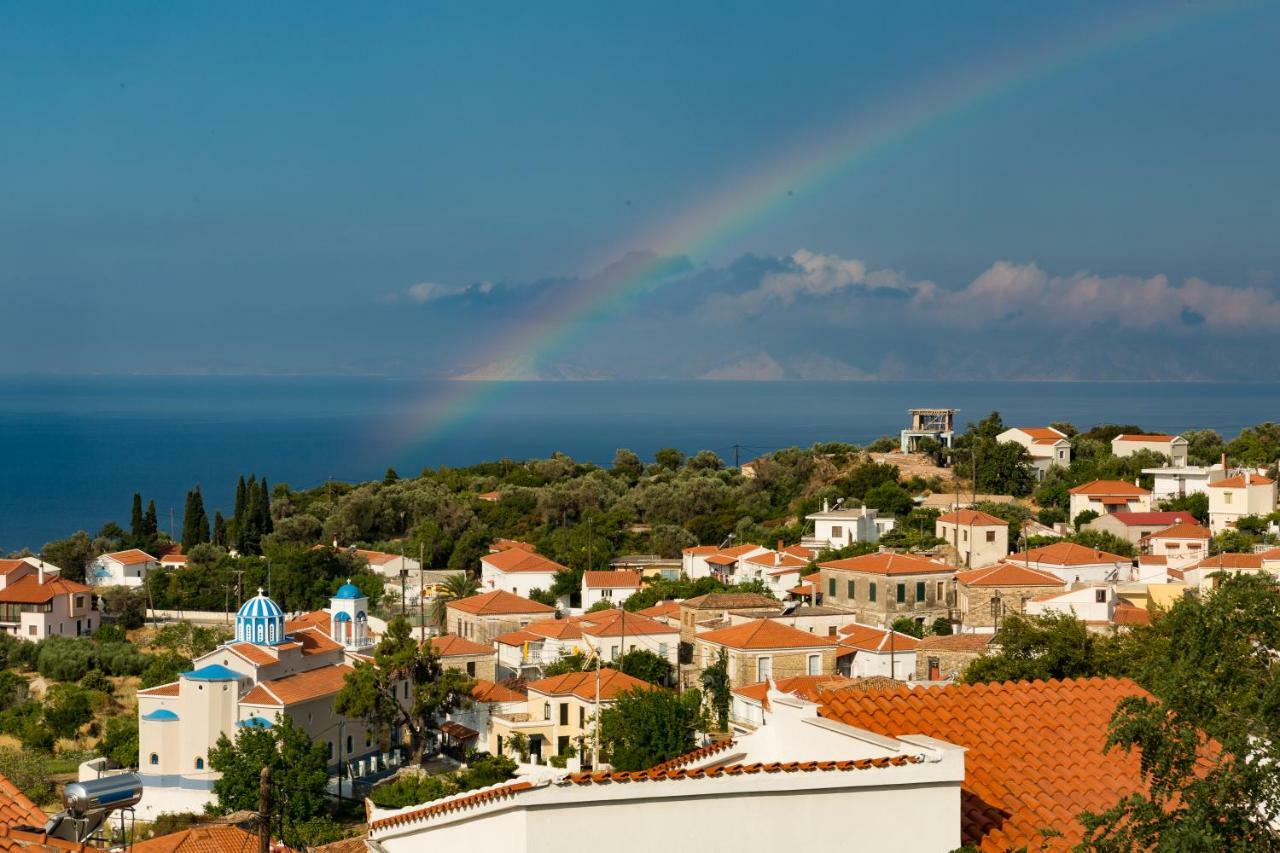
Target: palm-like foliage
pixel 456 586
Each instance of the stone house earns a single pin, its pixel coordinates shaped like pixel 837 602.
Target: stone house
pixel 1133 527
pixel 985 596
pixel 765 649
pixel 714 607
pixel 945 658
pixel 474 659
pixel 482 618
pixel 879 588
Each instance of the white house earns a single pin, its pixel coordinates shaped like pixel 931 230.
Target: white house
pixel 519 572
pixel 35 603
pixel 614 587
pixel 613 633
pixel 836 528
pixel 1233 498
pixel 1073 563
pixel 1094 604
pixel 388 565
pixel 751 793
pixel 980 538
pixel 704 561
pixel 1172 446
pixel 1170 483
pixel 1104 496
pixel 121 568
pixel 1046 446
pixel 866 651
pixel 1181 544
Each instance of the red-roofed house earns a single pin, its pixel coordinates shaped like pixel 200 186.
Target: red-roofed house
pixel 1093 604
pixel 763 649
pixel 519 572
pixel 879 588
pixel 1180 544
pixel 120 568
pixel 613 587
pixel 980 538
pixel 484 616
pixel 35 604
pixel 1134 527
pixel 1232 498
pixel 1174 447
pixel 866 651
pixel 985 596
pixel 1073 562
pixel 475 659
pixel 1046 446
pixel 1104 496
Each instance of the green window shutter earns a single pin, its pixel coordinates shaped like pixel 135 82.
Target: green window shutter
pixel 902 592
pixel 920 591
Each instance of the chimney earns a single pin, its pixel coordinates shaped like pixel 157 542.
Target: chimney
pixel 1224 461
pixel 40 573
pixel 779 544
pixel 826 505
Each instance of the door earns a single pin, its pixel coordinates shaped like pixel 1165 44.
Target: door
pixel 935 670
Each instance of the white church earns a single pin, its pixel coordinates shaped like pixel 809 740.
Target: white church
pixel 274 666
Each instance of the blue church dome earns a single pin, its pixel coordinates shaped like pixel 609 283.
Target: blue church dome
pixel 260 620
pixel 349 590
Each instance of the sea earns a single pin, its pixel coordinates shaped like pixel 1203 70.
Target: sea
pixel 73 450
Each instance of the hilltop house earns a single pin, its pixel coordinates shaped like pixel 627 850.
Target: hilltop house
pixel 842 526
pixel 935 424
pixel 1104 496
pixel 703 561
pixel 978 537
pixel 388 565
pixel 121 568
pixel 879 588
pixel 1172 446
pixel 35 603
pixel 1233 498
pixel 1046 446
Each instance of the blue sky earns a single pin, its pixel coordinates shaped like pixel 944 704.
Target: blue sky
pixel 268 182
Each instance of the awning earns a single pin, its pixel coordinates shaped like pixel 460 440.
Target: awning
pixel 458 731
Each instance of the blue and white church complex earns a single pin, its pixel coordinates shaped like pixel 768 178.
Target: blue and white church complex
pixel 275 666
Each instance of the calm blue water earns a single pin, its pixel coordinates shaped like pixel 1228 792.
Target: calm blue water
pixel 73 450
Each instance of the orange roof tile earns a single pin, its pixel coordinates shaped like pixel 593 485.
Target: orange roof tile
pixel 1183 530
pixel 728 601
pixel 520 560
pixel 1008 574
pixel 663 608
pixel 507 544
pixel 490 691
pixel 253 654
pixel 29 590
pixel 765 634
pixel 1046 766
pixel 7 566
pixel 1229 561
pixel 888 564
pixel 798 685
pixel 871 639
pixel 620 579
pixel 450 804
pixel 721 560
pixel 452 644
pixel 314 641
pixel 204 839
pixel 1130 614
pixel 1098 488
pixel 170 689
pixel 1067 554
pixel 956 643
pixel 314 619
pixel 1238 481
pixel 700 549
pixel 376 558
pixel 1042 433
pixel 518 638
pixel 298 687
pixel 498 603
pixel 583 684
pixel 972 517
pixel 131 557
pixel 16 809
pixel 616 623
pixel 556 629
pixel 1151 437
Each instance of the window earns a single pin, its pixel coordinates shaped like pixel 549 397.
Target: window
pixel 582 717
pixel 852 589
pixel 330 745
pixel 368 740
pixel 79 602
pixel 348 744
pixel 831 587
pixel 871 591
pixel 662 650
pixel 1226 497
pixel 1193 546
pixel 831 630
pixel 964 535
pixel 942 591
pixel 902 593
pixel 991 536
pixel 546 710
pixel 199 763
pixel 607 593
pixel 564 713
pixel 471 668
pixel 764 668
pixel 920 596
pixel 1173 546
pixel 1100 596
pixel 836 531
pixel 613 653
pixel 155 759
pixel 815 664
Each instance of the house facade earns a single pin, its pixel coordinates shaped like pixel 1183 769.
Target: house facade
pixel 1180 544
pixel 879 588
pixel 613 587
pixel 985 596
pixel 482 617
pixel 35 603
pixel 1047 447
pixel 1174 447
pixel 979 538
pixel 121 568
pixel 1134 527
pixel 475 660
pixel 1233 498
pixel 865 651
pixel 519 572
pixel 1172 483
pixel 1074 563
pixel 1106 496
pixel 841 527
pixel 945 658
pixel 763 649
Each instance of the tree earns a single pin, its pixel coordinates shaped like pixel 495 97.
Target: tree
pixel 1104 540
pixel 375 693
pixel 456 587
pixel 72 555
pixel 298 774
pixel 150 522
pixel 195 523
pixel 66 709
pixel 648 726
pixel 219 530
pixel 646 666
pixel 1084 517
pixel 907 625
pixel 136 529
pixel 627 465
pixel 1196 503
pixel 120 740
pixel 715 681
pixel 941 627
pixel 669 458
pixel 164 668
pixel 1051 645
pixel 390 477
pixel 890 499
pixel 1209 665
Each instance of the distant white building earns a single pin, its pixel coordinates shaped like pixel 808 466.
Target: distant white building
pixel 1106 496
pixel 121 568
pixel 936 424
pixel 1180 544
pixel 388 565
pixel 1094 605
pixel 840 527
pixel 1177 482
pixel 519 572
pixel 613 587
pixel 36 603
pixel 704 561
pixel 1233 498
pixel 1046 446
pixel 978 537
pixel 865 651
pixel 1172 446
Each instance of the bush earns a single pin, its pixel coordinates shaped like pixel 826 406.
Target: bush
pixel 942 627
pixel 1084 518
pixel 36 736
pixel 486 770
pixel 64 659
pixel 29 771
pixel 168 823
pixel 109 634
pixel 120 659
pixel 95 680
pixel 909 626
pixel 163 668
pixel 411 789
pixel 66 709
pixel 120 740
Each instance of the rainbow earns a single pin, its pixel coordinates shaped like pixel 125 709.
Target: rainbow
pixel 714 220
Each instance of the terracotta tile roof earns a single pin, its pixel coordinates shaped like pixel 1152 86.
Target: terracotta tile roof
pixel 583 684
pixel 1176 574
pixel 956 643
pixel 255 655
pixel 728 601
pixel 1130 614
pixel 556 629
pixel 700 549
pixel 204 839
pixel 1238 481
pixel 797 685
pixel 721 560
pixel 1067 554
pixel 131 557
pixel 376 558
pixel 871 639
pixel 740 550
pixel 490 691
pixel 7 566
pixel 974 517
pixel 520 560
pixel 347 845
pixel 452 644
pixel 656 774
pixel 620 579
pixel 16 809
pixel 1183 530
pixel 1098 488
pixel 765 634
pixel 450 804
pixel 1229 561
pixel 888 564
pixel 29 590
pixel 1008 574
pixel 315 641
pixel 663 608
pixel 1045 766
pixel 1043 442
pixel 616 623
pixel 299 687
pixel 1153 560
pixel 500 545
pixel 498 603
pixel 1150 519
pixel 1151 437
pixel 1041 433
pixel 170 689
pixel 314 619
pixel 799 551
pixel 518 638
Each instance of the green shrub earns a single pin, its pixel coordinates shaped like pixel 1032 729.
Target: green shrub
pixel 95 680
pixel 66 709
pixel 120 659
pixel 120 740
pixel 412 788
pixel 29 771
pixel 64 659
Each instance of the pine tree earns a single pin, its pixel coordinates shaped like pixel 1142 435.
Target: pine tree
pixel 150 524
pixel 219 529
pixel 135 520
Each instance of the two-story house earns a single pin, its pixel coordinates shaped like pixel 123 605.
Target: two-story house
pixel 986 595
pixel 978 537
pixel 1046 446
pixel 1104 496
pixel 519 572
pixel 613 587
pixel 842 526
pixel 1172 446
pixel 482 617
pixel 35 603
pixel 121 568
pixel 1233 498
pixel 1071 562
pixel 474 659
pixel 1180 544
pixel 879 588
pixel 764 649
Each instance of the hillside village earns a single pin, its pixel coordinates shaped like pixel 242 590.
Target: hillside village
pixel 944 623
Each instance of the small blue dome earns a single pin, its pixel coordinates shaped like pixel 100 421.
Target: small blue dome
pixel 261 621
pixel 212 672
pixel 259 607
pixel 160 715
pixel 349 590
pixel 341 617
pixel 254 723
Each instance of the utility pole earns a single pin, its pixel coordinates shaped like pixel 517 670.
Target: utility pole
pixel 736 447
pixel 422 604
pixel 264 810
pixel 170 522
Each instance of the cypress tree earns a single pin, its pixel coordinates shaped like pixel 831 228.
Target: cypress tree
pixel 135 520
pixel 202 518
pixel 237 517
pixel 248 536
pixel 219 529
pixel 150 525
pixel 188 523
pixel 265 525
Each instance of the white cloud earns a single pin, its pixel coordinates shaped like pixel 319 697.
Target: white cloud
pixel 429 291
